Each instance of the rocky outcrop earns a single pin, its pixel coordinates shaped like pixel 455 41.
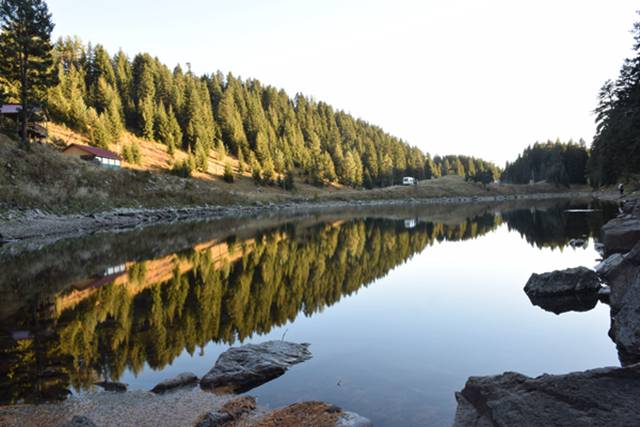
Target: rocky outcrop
pixel 563 282
pixel 182 380
pixel 621 234
pixel 240 369
pixel 599 397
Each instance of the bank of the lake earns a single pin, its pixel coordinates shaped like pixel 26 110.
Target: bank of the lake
pixel 178 295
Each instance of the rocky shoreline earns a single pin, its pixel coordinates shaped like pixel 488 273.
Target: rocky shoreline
pixel 42 227
pixel 177 401
pixel 597 397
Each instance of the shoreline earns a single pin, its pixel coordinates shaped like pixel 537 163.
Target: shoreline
pixel 38 226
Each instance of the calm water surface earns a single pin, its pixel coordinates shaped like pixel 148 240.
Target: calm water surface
pixel 400 308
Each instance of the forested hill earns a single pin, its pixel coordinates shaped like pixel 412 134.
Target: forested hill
pixel 270 134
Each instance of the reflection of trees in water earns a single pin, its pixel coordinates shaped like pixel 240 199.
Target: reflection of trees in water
pixel 266 284
pixel 554 227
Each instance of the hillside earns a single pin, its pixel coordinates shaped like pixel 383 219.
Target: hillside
pixel 46 179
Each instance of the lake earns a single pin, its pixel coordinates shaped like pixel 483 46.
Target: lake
pixel 400 305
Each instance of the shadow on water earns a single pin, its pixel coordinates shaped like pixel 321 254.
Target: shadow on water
pixel 90 309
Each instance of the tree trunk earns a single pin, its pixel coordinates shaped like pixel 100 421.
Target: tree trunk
pixel 24 113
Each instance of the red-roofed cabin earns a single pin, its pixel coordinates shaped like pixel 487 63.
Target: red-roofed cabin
pixel 10 113
pixel 94 154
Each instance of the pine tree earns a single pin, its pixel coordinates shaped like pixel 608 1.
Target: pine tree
pixel 26 54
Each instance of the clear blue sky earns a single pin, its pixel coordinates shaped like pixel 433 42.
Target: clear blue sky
pixel 476 77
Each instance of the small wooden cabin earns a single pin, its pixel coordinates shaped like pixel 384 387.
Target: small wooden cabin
pixel 37 128
pixel 97 155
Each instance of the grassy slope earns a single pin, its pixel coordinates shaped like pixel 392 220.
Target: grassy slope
pixel 46 179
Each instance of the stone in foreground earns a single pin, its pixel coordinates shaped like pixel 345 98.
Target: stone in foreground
pixel 563 282
pixel 598 397
pixel 240 369
pixel 182 380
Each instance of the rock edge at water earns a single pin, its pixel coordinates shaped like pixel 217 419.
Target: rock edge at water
pixel 598 397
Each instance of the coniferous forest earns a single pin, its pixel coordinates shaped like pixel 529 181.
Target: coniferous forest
pixel 615 152
pixel 270 134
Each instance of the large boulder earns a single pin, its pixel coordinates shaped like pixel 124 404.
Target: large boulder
pixel 621 234
pixel 563 282
pixel 240 369
pixel 182 380
pixel 598 397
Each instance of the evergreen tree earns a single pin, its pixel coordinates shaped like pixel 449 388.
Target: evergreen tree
pixel 26 60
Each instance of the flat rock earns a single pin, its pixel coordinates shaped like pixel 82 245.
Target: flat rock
pixel 621 234
pixel 182 380
pixel 594 398
pixel 563 282
pixel 240 369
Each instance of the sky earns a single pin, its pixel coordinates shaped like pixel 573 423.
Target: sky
pixel 476 77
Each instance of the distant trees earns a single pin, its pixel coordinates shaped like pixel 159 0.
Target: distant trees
pixel 556 162
pixel 25 54
pixel 615 151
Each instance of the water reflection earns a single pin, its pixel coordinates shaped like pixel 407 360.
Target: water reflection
pixel 70 328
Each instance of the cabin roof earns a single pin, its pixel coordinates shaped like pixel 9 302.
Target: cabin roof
pixel 99 152
pixel 10 108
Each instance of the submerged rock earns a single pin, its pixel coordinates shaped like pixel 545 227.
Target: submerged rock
pixel 563 282
pixel 182 380
pixel 240 369
pixel 112 386
pixel 598 397
pixel 559 304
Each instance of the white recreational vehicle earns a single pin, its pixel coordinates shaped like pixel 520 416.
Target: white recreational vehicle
pixel 408 180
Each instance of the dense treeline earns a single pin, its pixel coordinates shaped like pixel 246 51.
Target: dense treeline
pixel 555 162
pixel 269 133
pixel 459 165
pixel 615 152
